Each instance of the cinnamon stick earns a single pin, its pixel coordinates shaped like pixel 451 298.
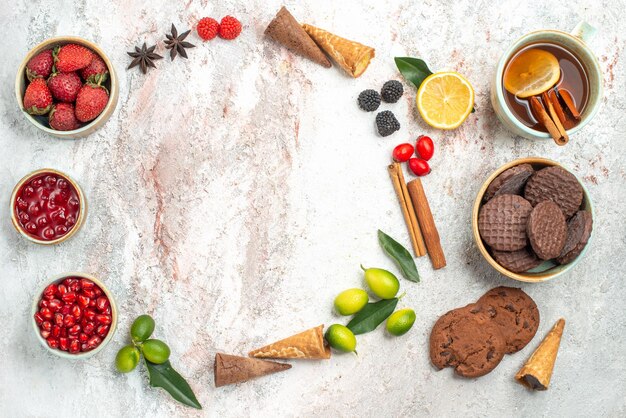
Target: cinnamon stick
pixel 569 102
pixel 427 223
pixel 555 118
pixel 397 178
pixel 543 117
pixel 554 99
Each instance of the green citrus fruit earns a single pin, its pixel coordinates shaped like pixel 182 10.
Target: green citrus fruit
pixel 400 322
pixel 142 328
pixel 351 301
pixel 156 351
pixel 382 283
pixel 127 359
pixel 341 338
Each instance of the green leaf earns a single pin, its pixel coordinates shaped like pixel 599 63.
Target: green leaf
pixel 164 376
pixel 372 315
pixel 414 70
pixel 400 255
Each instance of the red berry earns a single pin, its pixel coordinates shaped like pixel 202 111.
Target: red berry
pixel 65 86
pixel 56 331
pixel 424 148
pixel 403 152
pixel 58 318
pixel 45 334
pixel 102 330
pixel 37 97
pixel 74 346
pixel 419 167
pixel 74 329
pixel 89 314
pixel 69 321
pixel 69 297
pixel 61 289
pixel 46 326
pixel 64 343
pixel 230 28
pixel 94 341
pixel 86 284
pixel 46 313
pixel 96 72
pixel 102 303
pixel 55 305
pixel 90 102
pixel 83 301
pixel 89 328
pixel 207 28
pixel 103 319
pixel 38 318
pixel 40 66
pixel 76 311
pixel 62 117
pixel 83 338
pixel 53 342
pixel 72 57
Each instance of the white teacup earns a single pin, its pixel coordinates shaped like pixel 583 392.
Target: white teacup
pixel 574 42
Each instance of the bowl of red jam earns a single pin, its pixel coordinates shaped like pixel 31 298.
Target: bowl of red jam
pixel 74 316
pixel 47 207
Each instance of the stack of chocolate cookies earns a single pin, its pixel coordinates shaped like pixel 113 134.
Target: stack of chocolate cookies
pixel 531 216
pixel 475 338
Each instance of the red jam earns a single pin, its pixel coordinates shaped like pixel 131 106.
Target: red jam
pixel 74 315
pixel 47 206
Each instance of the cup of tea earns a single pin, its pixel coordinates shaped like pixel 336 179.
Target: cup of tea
pixel 548 84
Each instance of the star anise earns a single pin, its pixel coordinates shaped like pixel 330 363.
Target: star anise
pixel 144 57
pixel 176 43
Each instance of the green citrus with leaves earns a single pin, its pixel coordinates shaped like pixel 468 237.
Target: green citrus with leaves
pixel 400 322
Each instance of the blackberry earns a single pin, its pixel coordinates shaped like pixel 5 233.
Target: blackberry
pixel 369 100
pixel 387 123
pixel 392 91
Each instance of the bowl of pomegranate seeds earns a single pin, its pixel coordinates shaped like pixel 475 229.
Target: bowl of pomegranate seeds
pixel 74 316
pixel 47 207
pixel 67 87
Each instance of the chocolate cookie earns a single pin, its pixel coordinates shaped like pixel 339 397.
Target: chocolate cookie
pixel 514 312
pixel 511 181
pixel 502 222
pixel 517 261
pixel 547 230
pixel 578 233
pixel 469 342
pixel 555 184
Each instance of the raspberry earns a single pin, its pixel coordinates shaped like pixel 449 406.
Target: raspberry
pixel 207 28
pixel 392 91
pixel 230 28
pixel 369 100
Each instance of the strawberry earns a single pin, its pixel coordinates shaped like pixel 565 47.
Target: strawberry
pixel 37 98
pixel 64 86
pixel 40 65
pixel 91 101
pixel 96 72
pixel 72 57
pixel 62 117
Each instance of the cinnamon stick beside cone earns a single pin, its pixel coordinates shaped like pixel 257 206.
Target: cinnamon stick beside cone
pixel 555 118
pixel 569 102
pixel 427 223
pixel 410 218
pixel 542 116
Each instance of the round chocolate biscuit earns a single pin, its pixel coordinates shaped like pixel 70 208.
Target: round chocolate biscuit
pixel 517 261
pixel 469 342
pixel 514 312
pixel 502 222
pixel 555 184
pixel 578 232
pixel 547 230
pixel 510 181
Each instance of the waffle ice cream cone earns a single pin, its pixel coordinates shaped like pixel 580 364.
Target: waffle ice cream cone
pixel 235 369
pixel 306 345
pixel 285 30
pixel 352 56
pixel 537 371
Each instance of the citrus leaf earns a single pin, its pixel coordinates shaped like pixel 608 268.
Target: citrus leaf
pixel 372 315
pixel 414 70
pixel 400 255
pixel 164 376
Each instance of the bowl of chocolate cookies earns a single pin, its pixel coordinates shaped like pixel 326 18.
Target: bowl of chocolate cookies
pixel 532 219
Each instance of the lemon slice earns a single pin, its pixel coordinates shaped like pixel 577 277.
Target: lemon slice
pixel 532 72
pixel 445 100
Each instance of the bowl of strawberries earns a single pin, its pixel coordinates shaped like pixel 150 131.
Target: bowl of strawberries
pixel 67 87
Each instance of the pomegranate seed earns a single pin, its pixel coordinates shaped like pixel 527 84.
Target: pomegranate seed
pixel 103 319
pixel 55 305
pixel 76 311
pixel 74 347
pixel 46 313
pixel 68 282
pixel 65 309
pixel 102 330
pixel 64 344
pixel 107 310
pixel 97 291
pixel 89 328
pixel 51 290
pixel 87 284
pixel 46 325
pixel 53 342
pixel 92 303
pixel 94 341
pixel 68 321
pixel 72 337
pixel 83 338
pixel 61 289
pixel 45 334
pixel 69 297
pixel 90 293
pixel 56 331
pixel 102 303
pixel 63 332
pixel 89 314
pixel 43 303
pixel 74 329
pixel 75 287
pixel 38 318
pixel 84 347
pixel 58 318
pixel 83 301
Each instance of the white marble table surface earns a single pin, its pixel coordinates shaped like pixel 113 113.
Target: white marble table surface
pixel 232 195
